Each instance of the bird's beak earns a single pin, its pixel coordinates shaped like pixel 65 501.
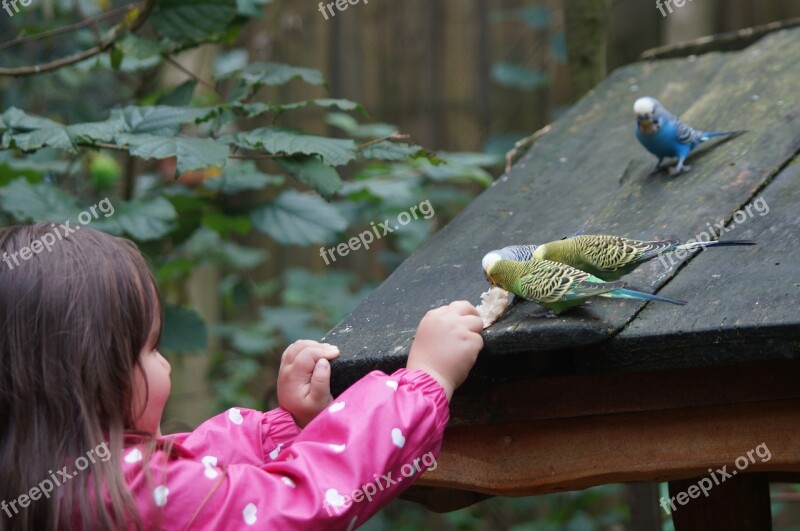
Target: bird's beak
pixel 646 124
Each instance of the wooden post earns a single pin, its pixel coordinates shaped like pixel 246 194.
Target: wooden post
pixel 643 503
pixel 741 502
pixel 585 23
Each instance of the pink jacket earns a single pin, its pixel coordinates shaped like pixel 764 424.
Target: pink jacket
pixel 244 469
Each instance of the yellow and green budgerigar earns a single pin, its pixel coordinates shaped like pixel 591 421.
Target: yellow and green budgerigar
pixel 555 285
pixel 607 257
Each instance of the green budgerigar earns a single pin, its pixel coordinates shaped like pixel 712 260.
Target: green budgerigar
pixel 607 257
pixel 555 285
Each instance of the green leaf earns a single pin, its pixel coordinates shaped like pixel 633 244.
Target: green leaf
pixel 55 137
pixel 303 289
pixel 294 323
pixel 116 58
pixel 96 132
pixel 226 225
pixel 455 172
pixel 249 339
pixel 484 160
pixel 392 151
pixel 394 190
pixel 180 95
pixel 251 8
pixel 350 125
pixel 16 119
pixel 258 108
pixel 142 220
pixel 226 63
pixel 518 76
pixel 192 153
pixel 184 330
pixel 30 133
pixel 137 47
pixel 33 168
pixel 274 74
pixel 242 177
pixel 311 171
pixel 129 65
pixel 209 247
pixel 159 120
pixel 37 202
pixel 192 20
pixel 333 151
pixel 298 219
pixel 175 270
pixel 10 172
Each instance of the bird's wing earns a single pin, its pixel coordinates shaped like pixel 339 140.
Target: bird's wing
pixel 686 133
pixel 609 253
pixel 552 282
pixel 652 249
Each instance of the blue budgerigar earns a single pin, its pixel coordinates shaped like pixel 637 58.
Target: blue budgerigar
pixel 665 135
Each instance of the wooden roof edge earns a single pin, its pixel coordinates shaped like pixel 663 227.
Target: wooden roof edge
pixel 721 42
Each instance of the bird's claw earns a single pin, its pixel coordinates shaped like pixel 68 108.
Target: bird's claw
pixel 676 171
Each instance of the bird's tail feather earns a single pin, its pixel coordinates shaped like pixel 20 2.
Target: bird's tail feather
pixel 624 293
pixel 715 134
pixel 728 243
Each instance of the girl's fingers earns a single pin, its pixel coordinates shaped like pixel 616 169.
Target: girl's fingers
pixel 474 323
pixel 320 390
pixel 299 347
pixel 296 348
pixel 300 370
pixel 464 308
pixel 329 352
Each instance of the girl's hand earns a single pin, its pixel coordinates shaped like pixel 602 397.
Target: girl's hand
pixel 447 344
pixel 304 380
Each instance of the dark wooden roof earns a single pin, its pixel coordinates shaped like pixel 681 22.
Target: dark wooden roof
pixel 589 173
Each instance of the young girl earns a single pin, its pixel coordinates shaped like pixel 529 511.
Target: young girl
pixel 83 388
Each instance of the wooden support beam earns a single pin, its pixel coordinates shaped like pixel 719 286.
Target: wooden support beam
pixel 539 457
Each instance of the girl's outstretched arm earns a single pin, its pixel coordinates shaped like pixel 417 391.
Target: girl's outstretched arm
pixel 258 435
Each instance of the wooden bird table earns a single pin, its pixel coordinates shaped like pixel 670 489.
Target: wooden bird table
pixel 621 391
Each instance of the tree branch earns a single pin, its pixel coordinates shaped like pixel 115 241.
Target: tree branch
pixel 77 58
pixel 24 39
pixel 189 73
pixel 394 137
pixel 723 42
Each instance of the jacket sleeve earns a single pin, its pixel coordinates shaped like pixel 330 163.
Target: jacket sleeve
pixel 357 455
pixel 258 436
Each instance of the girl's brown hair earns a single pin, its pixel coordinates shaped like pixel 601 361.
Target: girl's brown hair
pixel 74 320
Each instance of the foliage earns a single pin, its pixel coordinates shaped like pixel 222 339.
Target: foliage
pixel 599 508
pixel 212 174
